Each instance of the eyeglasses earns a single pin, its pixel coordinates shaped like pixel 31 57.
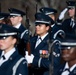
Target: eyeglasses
pixel 13 16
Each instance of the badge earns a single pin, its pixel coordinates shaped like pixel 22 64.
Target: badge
pixel 44 53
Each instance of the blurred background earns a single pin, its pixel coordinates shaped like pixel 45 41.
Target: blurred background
pixel 32 7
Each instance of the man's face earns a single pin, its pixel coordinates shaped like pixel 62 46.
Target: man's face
pixel 71 12
pixel 15 20
pixel 41 29
pixel 69 54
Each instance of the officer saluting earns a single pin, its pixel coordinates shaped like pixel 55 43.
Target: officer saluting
pixel 69 24
pixel 11 62
pixel 16 17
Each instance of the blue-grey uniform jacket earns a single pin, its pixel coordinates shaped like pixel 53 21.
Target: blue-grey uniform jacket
pixel 67 26
pixel 23 40
pixel 40 62
pixel 7 67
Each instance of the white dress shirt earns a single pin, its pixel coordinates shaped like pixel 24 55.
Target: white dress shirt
pixel 39 39
pixel 17 26
pixel 72 24
pixel 66 72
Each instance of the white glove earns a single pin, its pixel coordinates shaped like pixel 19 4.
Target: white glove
pixel 29 58
pixel 61 16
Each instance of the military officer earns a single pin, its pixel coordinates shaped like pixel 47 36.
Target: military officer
pixel 69 24
pixel 40 58
pixel 51 12
pixel 68 53
pixel 11 62
pixel 16 17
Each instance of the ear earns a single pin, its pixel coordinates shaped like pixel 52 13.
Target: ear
pixel 20 18
pixel 47 28
pixel 14 41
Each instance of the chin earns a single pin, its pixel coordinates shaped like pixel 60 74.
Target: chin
pixel 37 33
pixel 65 57
pixel 1 48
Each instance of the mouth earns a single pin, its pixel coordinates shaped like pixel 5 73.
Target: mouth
pixel 0 45
pixel 66 55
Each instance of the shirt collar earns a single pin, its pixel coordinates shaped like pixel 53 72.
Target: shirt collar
pixel 52 25
pixel 67 66
pixel 17 26
pixel 8 54
pixel 72 19
pixel 42 37
pixel 71 69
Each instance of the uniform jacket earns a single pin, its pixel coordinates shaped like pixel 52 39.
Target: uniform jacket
pixel 45 62
pixel 22 43
pixel 55 28
pixel 22 29
pixel 67 27
pixel 60 70
pixel 6 67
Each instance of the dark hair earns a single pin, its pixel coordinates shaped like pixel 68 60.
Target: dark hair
pixel 17 38
pixel 6 21
pixel 47 24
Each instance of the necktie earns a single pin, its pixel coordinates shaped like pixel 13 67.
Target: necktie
pixel 38 42
pixel 72 24
pixel 3 57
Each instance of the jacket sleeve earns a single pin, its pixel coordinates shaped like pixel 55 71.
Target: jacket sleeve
pixel 22 68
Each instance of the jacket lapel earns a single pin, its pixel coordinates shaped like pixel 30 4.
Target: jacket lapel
pixel 21 28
